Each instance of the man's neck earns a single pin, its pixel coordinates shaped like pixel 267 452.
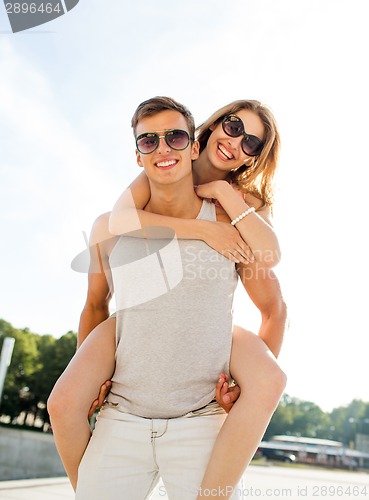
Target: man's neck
pixel 174 200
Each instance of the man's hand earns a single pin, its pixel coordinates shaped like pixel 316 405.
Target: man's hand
pixel 226 395
pixel 104 391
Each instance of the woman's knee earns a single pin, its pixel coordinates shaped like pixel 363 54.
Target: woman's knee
pixel 238 332
pixel 62 399
pixel 255 368
pixel 55 404
pixel 272 386
pixel 278 380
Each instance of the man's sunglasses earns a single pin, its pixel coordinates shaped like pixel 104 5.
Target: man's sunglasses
pixel 149 141
pixel 233 126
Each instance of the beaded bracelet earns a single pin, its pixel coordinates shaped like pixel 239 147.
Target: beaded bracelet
pixel 244 214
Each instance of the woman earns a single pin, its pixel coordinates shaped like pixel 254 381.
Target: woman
pixel 226 145
pixel 236 168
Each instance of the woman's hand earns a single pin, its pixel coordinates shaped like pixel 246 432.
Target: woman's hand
pixel 210 189
pixel 226 240
pixel 226 395
pixel 217 190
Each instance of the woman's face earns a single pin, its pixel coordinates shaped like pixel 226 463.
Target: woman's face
pixel 225 152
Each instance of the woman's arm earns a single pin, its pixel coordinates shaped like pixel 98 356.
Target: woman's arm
pixel 255 228
pixel 128 215
pixel 128 209
pixel 100 286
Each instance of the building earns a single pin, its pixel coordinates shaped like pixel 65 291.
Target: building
pixel 317 451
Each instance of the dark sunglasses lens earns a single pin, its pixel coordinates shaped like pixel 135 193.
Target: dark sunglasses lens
pixel 147 143
pixel 252 145
pixel 233 126
pixel 177 139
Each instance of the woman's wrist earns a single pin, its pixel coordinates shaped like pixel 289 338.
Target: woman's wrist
pixel 203 229
pixel 222 190
pixel 231 200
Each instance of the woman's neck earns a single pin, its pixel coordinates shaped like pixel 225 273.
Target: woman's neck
pixel 203 170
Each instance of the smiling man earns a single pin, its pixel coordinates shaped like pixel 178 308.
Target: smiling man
pixel 160 419
pixel 173 338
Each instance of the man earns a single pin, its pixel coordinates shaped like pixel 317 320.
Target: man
pixel 174 324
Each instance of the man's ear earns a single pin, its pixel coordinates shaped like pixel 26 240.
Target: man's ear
pixel 138 159
pixel 195 150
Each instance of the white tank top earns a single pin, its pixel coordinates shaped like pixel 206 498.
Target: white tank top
pixel 174 322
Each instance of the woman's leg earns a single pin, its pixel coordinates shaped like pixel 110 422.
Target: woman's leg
pixel 262 383
pixel 72 395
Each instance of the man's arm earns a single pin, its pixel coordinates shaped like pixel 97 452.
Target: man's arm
pixel 96 308
pixel 264 289
pixel 99 293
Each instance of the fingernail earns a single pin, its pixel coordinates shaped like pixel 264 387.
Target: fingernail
pixel 226 399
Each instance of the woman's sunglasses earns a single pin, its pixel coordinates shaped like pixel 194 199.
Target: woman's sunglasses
pixel 233 126
pixel 149 141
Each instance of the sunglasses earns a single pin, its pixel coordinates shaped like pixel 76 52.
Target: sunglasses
pixel 149 141
pixel 233 126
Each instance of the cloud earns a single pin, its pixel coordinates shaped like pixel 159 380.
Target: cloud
pixel 52 187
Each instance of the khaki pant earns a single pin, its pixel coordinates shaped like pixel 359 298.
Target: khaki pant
pixel 127 455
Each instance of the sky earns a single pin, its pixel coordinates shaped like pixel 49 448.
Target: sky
pixel 68 89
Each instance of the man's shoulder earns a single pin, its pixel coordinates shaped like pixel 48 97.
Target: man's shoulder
pixel 100 228
pixel 103 219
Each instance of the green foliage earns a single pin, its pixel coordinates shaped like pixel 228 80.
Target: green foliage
pixel 304 418
pixel 37 362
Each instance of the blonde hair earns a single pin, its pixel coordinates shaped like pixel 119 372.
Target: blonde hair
pixel 256 178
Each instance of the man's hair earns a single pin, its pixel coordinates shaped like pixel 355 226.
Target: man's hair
pixel 158 104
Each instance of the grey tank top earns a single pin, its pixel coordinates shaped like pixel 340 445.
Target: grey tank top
pixel 174 303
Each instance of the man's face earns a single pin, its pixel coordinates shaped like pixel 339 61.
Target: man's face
pixel 166 165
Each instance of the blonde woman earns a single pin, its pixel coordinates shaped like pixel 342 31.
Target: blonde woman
pixel 239 151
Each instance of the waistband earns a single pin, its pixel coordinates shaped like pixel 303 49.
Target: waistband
pixel 212 408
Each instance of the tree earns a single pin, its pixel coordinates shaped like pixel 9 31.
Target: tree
pixel 346 420
pixel 54 356
pixel 37 362
pixel 17 397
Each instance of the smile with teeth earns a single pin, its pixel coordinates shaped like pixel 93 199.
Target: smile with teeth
pixel 167 163
pixel 225 152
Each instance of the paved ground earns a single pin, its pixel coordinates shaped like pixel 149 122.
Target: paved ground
pixel 36 489
pixel 259 482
